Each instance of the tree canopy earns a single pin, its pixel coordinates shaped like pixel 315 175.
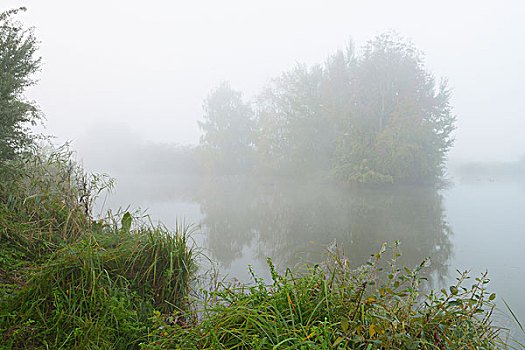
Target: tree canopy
pixel 18 63
pixel 227 142
pixel 371 117
pixel 401 124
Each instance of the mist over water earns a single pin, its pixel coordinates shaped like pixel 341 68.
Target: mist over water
pixel 471 224
pixel 474 222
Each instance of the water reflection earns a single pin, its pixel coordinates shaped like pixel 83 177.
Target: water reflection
pixel 243 221
pixel 245 217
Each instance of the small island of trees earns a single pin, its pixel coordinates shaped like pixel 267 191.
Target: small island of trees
pixel 372 117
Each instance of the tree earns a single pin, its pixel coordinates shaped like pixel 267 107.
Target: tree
pixel 291 131
pixel 18 63
pixel 371 118
pixel 228 125
pixel 401 120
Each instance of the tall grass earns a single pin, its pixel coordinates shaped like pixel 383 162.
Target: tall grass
pixel 102 290
pixel 46 200
pixel 335 307
pixel 82 283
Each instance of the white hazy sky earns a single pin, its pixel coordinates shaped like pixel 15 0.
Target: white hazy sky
pixel 147 65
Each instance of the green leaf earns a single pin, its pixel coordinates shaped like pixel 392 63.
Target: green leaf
pixel 492 296
pixel 126 222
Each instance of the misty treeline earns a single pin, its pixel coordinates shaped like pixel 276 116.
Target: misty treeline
pixel 371 116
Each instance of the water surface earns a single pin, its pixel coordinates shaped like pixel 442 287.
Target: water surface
pixel 470 225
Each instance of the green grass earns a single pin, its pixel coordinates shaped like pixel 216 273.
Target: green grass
pixel 335 307
pixel 68 281
pixel 101 290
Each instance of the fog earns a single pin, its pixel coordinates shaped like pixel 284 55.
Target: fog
pixel 147 66
pixel 136 88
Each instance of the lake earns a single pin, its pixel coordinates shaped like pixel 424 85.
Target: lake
pixel 472 224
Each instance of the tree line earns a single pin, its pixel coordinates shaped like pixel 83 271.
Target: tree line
pixel 371 116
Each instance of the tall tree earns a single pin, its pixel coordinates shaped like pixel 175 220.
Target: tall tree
pixel 401 124
pixel 227 140
pixel 18 63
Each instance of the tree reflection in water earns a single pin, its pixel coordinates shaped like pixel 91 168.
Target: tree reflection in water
pixel 279 220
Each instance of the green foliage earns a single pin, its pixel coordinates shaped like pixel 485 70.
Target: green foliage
pixel 46 201
pixel 69 281
pixel 73 303
pixel 338 308
pixel 18 64
pixel 66 280
pixel 401 121
pixel 293 135
pixel 102 289
pixel 374 117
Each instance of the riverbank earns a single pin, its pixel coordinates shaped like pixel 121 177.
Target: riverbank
pixel 336 307
pixel 69 281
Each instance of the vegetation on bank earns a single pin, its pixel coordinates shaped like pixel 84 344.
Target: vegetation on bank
pixel 68 281
pixel 378 306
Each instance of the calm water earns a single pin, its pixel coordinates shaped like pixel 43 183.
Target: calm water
pixel 477 225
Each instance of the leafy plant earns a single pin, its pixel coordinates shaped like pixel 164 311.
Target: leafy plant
pixel 335 307
pixel 19 63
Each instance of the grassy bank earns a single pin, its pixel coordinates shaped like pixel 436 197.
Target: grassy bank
pixel 68 281
pixel 335 307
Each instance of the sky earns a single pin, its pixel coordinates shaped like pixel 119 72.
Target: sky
pixel 141 69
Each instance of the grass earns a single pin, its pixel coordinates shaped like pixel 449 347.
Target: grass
pixel 69 281
pixel 335 307
pixel 101 290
